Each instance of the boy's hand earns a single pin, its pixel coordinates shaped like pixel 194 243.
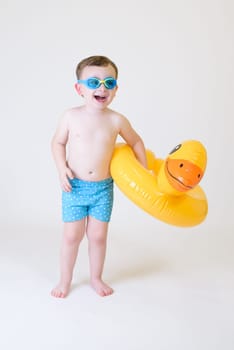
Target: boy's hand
pixel 64 179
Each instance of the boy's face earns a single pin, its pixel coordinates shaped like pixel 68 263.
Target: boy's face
pixel 99 97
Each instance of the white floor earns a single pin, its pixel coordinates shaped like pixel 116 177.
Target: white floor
pixel 174 289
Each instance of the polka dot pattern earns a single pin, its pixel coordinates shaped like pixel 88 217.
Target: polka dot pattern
pixel 93 198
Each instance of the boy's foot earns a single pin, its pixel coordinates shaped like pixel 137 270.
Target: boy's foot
pixel 60 291
pixel 101 288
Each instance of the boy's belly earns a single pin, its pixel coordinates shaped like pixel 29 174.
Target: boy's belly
pixel 90 169
pixel 90 160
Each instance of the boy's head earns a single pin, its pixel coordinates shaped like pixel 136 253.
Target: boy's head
pixel 99 61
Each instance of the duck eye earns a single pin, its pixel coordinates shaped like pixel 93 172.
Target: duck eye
pixel 175 149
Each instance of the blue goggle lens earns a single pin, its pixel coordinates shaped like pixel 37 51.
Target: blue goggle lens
pixel 94 83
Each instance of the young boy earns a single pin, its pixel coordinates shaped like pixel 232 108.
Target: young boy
pixel 82 148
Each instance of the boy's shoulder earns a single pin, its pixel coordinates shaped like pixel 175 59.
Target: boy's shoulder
pixel 72 111
pixel 69 113
pixel 117 115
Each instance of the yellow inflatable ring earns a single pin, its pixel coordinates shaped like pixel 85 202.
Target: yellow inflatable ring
pixel 169 190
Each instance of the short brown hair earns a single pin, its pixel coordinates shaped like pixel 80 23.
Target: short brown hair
pixel 101 61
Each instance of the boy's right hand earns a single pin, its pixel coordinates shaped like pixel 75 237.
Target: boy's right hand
pixel 64 176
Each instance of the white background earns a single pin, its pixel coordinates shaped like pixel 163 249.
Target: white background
pixel 174 287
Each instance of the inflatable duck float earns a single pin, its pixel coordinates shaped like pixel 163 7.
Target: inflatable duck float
pixel 168 189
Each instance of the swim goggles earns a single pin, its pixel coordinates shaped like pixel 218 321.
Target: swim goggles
pixel 94 83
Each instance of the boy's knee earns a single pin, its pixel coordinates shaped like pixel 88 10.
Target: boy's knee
pixel 98 238
pixel 71 238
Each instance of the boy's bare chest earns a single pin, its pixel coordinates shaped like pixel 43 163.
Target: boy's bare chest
pixel 92 131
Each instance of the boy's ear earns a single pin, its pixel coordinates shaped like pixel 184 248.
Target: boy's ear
pixel 78 89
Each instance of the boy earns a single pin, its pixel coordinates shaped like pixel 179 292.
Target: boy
pixel 82 148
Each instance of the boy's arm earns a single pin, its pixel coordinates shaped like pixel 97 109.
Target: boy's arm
pixel 133 140
pixel 139 150
pixel 58 147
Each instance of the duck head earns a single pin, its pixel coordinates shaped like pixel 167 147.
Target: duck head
pixel 183 169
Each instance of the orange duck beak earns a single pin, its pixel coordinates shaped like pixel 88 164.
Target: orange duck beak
pixel 182 175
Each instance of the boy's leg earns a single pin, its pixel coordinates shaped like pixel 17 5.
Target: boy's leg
pixel 97 235
pixel 72 236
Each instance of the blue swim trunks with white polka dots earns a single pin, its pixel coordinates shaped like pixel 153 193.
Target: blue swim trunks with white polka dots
pixel 86 198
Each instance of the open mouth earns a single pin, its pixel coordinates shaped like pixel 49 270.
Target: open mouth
pixel 100 98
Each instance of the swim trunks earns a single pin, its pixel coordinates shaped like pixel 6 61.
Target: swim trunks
pixel 86 198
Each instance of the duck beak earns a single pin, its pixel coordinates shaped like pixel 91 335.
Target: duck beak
pixel 182 174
